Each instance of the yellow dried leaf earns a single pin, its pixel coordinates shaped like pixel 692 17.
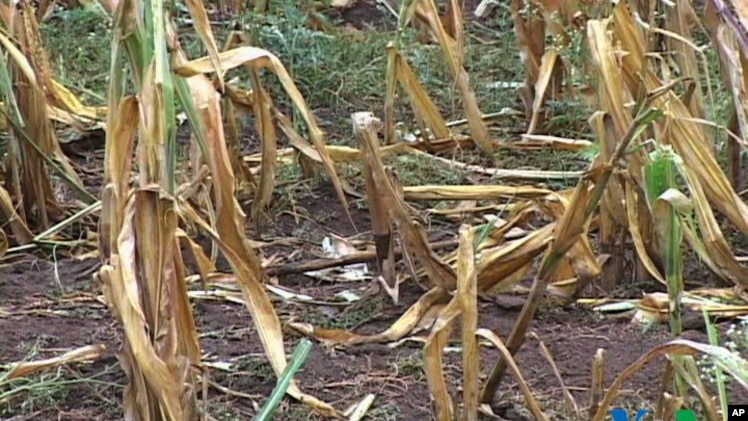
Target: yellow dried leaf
pixel 230 238
pixel 467 295
pixel 432 361
pixel 472 192
pixel 256 58
pixel 84 353
pixel 403 326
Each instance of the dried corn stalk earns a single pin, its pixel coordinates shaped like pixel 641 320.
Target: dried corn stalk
pixel 727 24
pixel 451 45
pixel 33 98
pixel 143 272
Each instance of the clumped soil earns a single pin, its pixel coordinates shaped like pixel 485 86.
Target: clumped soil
pixel 53 307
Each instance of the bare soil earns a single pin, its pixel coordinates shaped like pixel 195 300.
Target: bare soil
pixel 52 307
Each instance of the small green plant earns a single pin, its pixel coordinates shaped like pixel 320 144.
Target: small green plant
pixel 82 64
pixel 589 152
pixel 737 335
pixel 411 366
pixel 386 412
pixel 415 170
pixel 29 394
pixel 257 368
pixel 26 395
pixel 351 318
pixel 736 341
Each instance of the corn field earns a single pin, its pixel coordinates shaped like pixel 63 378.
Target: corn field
pixel 373 210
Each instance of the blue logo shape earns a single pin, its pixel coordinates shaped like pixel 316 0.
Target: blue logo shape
pixel 621 414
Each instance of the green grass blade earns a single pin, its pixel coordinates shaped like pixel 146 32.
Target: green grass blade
pixel 300 354
pixel 713 336
pixel 6 90
pixel 188 105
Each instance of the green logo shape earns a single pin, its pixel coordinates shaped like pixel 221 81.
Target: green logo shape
pixel 685 415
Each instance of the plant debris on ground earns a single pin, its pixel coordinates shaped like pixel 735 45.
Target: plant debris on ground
pixel 519 209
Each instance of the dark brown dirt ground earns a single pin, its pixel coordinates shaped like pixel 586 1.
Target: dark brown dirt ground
pixel 30 286
pixel 51 309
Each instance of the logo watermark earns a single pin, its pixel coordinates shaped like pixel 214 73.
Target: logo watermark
pixel 622 415
pixel 734 413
